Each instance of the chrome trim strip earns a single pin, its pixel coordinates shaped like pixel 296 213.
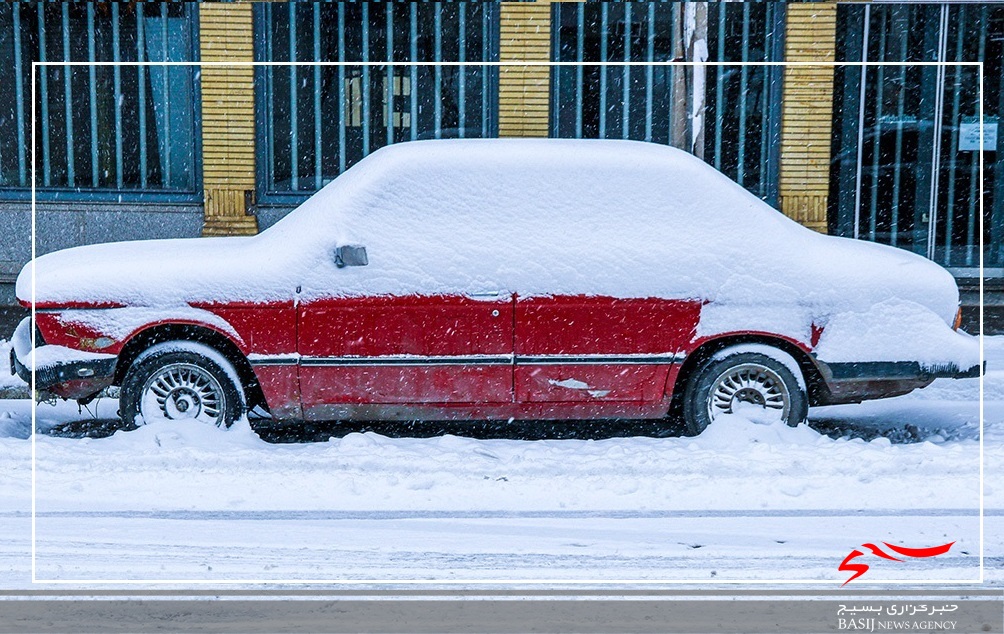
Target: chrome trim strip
pixel 408 361
pixel 601 359
pixel 273 359
pixel 554 359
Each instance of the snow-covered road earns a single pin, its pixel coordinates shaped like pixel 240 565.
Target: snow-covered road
pixel 742 502
pixel 448 546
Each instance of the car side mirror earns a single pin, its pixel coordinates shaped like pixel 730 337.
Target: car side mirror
pixel 351 255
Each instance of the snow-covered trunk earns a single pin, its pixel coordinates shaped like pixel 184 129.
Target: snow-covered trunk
pixel 695 39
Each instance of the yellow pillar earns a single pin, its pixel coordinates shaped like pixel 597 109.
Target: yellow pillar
pixel 226 34
pixel 524 91
pixel 807 113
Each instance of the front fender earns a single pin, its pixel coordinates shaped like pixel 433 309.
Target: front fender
pixel 109 330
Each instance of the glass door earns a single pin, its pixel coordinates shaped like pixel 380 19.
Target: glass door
pixel 906 148
pixel 973 33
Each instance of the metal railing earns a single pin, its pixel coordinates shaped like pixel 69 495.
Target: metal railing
pixel 316 122
pixel 742 120
pixel 99 128
pixel 906 166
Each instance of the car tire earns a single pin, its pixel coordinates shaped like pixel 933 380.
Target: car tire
pixel 751 378
pixel 181 380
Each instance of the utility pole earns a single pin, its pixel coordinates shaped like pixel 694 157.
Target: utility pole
pixel 678 123
pixel 690 44
pixel 695 37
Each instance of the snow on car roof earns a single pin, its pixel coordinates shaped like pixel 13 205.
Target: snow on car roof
pixel 616 218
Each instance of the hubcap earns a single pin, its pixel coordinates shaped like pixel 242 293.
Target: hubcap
pixel 751 389
pixel 182 391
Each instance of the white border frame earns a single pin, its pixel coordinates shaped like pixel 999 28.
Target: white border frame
pixel 837 582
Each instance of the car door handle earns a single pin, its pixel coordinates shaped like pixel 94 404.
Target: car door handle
pixel 488 295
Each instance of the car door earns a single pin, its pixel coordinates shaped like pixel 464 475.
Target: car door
pixel 576 349
pixel 404 350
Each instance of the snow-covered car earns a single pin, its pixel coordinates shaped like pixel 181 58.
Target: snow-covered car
pixel 497 279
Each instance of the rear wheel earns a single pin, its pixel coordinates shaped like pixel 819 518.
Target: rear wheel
pixel 181 380
pixel 755 381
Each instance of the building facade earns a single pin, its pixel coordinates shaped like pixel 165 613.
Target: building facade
pixel 125 150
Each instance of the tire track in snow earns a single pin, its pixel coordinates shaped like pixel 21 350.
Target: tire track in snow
pixel 217 546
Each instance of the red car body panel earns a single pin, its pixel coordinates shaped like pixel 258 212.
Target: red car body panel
pixel 469 411
pixel 456 357
pixel 270 330
pixel 58 329
pixel 569 382
pixel 261 328
pixel 405 325
pixel 280 385
pixel 563 325
pixel 400 350
pixel 589 348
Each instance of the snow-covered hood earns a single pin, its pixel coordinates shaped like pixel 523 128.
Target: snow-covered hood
pixel 158 273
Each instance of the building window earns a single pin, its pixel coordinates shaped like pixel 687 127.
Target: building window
pixel 906 169
pixel 317 121
pixel 648 103
pixel 111 129
pixel 743 120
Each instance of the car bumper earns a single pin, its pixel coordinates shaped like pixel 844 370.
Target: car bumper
pixel 856 382
pixel 67 374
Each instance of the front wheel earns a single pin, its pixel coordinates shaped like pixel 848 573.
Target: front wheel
pixel 755 381
pixel 181 380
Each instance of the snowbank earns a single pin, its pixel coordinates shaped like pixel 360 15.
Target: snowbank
pixel 736 465
pixel 535 217
pixel 8 381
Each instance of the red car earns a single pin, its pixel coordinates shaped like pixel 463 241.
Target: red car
pixel 497 279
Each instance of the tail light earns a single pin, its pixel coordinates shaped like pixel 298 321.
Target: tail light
pixel 958 319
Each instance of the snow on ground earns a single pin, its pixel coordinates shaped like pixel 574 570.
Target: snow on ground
pixel 8 381
pixel 581 501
